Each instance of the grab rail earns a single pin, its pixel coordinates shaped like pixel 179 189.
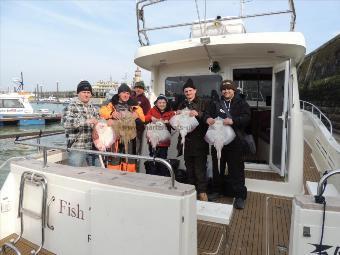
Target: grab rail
pixel 10 246
pixel 120 155
pixel 141 29
pixel 323 179
pixel 319 112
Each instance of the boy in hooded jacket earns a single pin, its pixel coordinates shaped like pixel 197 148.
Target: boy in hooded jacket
pixel 160 112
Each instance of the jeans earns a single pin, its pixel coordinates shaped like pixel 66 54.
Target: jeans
pixel 80 159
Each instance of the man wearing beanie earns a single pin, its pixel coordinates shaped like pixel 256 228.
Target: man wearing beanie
pixel 235 112
pixel 196 148
pixel 113 112
pixel 143 102
pixel 79 118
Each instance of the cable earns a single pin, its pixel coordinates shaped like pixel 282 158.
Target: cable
pixel 198 14
pixel 323 226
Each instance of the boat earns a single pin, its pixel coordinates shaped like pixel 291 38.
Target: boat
pixel 15 109
pixel 51 208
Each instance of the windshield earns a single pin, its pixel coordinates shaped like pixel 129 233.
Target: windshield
pixel 208 87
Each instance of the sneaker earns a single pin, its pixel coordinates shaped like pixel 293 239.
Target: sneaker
pixel 203 196
pixel 239 203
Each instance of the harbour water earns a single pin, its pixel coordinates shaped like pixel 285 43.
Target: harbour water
pixel 7 147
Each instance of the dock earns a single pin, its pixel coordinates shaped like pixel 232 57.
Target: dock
pixel 30 120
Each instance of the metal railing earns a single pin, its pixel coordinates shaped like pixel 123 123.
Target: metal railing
pixel 306 106
pixel 141 29
pixel 324 179
pixel 44 149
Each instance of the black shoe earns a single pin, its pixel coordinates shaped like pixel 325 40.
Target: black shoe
pixel 214 196
pixel 239 203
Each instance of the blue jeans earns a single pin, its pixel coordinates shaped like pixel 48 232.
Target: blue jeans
pixel 80 159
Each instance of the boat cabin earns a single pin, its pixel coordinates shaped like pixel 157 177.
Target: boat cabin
pixel 264 67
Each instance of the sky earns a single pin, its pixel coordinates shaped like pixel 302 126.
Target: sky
pixel 66 41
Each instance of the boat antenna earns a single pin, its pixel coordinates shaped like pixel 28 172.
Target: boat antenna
pixel 19 83
pixel 198 14
pixel 242 2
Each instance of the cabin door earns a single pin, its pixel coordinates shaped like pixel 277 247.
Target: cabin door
pixel 279 118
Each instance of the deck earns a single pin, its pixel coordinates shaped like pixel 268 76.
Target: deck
pixel 261 228
pixel 264 224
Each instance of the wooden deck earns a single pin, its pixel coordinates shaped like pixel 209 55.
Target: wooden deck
pixel 262 227
pixel 24 246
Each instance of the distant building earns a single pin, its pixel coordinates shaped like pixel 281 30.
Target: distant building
pixel 138 76
pixel 100 88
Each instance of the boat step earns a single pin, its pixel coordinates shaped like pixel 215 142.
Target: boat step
pixel 214 212
pixel 25 247
pixel 330 190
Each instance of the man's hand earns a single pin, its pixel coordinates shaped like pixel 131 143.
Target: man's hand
pixel 227 122
pixel 153 119
pixel 135 115
pixel 193 113
pixel 116 115
pixel 110 122
pixel 210 121
pixel 92 121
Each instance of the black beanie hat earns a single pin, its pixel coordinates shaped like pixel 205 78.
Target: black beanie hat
pixel 161 96
pixel 124 88
pixel 84 86
pixel 189 84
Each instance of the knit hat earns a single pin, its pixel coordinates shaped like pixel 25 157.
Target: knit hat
pixel 124 88
pixel 228 84
pixel 84 86
pixel 189 84
pixel 140 84
pixel 161 96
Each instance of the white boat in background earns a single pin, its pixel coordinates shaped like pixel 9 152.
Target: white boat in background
pixel 68 210
pixel 14 105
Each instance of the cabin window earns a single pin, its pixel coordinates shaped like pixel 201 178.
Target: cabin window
pixel 208 87
pixel 10 103
pixel 256 85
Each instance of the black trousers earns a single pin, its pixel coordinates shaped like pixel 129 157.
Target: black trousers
pixel 156 168
pixel 232 154
pixel 196 167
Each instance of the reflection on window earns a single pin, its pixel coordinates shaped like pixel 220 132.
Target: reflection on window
pixel 208 87
pixel 256 85
pixel 11 103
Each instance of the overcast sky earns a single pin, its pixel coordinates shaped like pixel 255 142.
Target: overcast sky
pixel 68 41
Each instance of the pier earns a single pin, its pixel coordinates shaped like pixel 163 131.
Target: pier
pixel 30 120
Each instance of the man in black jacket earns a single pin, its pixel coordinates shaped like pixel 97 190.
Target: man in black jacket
pixel 196 148
pixel 234 111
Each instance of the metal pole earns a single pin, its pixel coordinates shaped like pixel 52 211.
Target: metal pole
pixel 45 157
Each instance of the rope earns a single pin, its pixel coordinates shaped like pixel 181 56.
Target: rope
pixel 198 14
pixel 205 17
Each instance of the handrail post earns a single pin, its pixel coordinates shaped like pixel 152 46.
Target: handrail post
pixel 45 157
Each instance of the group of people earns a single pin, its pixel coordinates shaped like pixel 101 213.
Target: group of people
pixel 80 116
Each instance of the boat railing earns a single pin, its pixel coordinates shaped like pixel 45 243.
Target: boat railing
pixel 307 106
pixel 142 29
pixel 323 181
pixel 45 147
